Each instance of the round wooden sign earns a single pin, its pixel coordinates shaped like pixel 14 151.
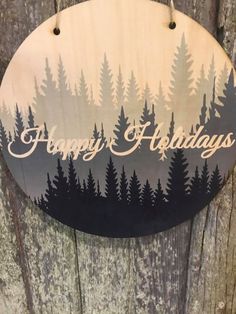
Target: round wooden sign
pixel 119 126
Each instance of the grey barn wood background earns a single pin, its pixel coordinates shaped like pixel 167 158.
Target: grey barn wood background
pixel 46 267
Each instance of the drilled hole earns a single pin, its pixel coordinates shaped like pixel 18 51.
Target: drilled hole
pixel 56 31
pixel 172 25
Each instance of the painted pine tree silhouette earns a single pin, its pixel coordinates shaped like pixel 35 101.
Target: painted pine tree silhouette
pixel 83 92
pixel 96 134
pixel 19 125
pixel 133 97
pixel 159 197
pixel 111 189
pixel 177 185
pixel 222 80
pixel 213 105
pixel 73 186
pixel 211 79
pixel 215 182
pixel 98 193
pixel 134 191
pixel 148 116
pixel 84 189
pixel 181 83
pixel 123 187
pixel 195 186
pixel 91 186
pixel 62 80
pixel 6 117
pixel 50 196
pixel 120 90
pixel 204 182
pixel 30 118
pixel 119 131
pixel 172 127
pixel 92 101
pixel 3 138
pixel 227 112
pixel 106 85
pixel 203 114
pixel 147 196
pixel 201 87
pixel 61 188
pixel 147 96
pixel 162 108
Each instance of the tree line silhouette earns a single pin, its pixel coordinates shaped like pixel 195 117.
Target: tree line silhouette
pixel 67 194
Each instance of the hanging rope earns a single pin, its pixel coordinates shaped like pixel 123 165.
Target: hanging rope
pixel 57 30
pixel 172 24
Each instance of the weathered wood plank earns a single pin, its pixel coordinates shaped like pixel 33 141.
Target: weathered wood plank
pixel 189 269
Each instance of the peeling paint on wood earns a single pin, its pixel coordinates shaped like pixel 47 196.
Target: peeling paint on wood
pixel 46 267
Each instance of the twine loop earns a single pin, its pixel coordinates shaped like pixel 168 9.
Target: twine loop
pixel 172 24
pixel 57 30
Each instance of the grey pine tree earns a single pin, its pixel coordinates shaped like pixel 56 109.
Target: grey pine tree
pixel 83 92
pixel 106 85
pixel 132 98
pixel 181 90
pixel 201 87
pixel 162 109
pixel 147 96
pixel 120 90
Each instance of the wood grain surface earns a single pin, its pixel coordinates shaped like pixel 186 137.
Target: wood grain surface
pixel 46 267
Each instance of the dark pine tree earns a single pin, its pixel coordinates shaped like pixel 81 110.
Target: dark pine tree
pixel 19 125
pixel 84 189
pixel 227 112
pixel 203 114
pixel 134 191
pixel 96 134
pixel 123 187
pixel 50 196
pixel 177 186
pixel 91 186
pixel 119 132
pixel 111 190
pixel 147 196
pixel 172 127
pixel 3 137
pixel 159 197
pixel 30 118
pixel 204 186
pixel 99 194
pixel 72 185
pixel 61 189
pixel 215 182
pixel 195 186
